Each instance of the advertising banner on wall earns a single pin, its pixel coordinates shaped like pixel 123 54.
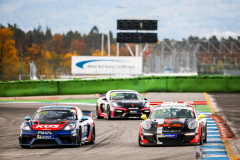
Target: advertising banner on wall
pixel 106 65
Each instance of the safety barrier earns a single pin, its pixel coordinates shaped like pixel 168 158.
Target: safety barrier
pixel 140 84
pixel 28 88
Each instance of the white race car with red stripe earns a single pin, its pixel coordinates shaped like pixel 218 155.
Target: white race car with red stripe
pixel 57 125
pixel 173 122
pixel 122 104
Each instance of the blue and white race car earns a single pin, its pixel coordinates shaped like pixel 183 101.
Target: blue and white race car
pixel 57 125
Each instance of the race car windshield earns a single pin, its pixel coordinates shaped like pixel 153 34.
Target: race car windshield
pixel 172 113
pixel 55 114
pixel 125 96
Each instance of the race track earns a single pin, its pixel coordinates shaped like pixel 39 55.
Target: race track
pixel 115 139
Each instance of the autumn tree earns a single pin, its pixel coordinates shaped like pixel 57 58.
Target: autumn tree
pixel 39 55
pixel 99 53
pixel 79 46
pixel 55 62
pixel 67 62
pixel 57 44
pixel 8 53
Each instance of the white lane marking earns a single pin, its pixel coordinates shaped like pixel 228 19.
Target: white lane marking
pixel 214 139
pixel 214 150
pixel 213 155
pixel 213 144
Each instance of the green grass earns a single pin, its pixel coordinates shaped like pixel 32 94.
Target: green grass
pixel 202 108
pixel 62 100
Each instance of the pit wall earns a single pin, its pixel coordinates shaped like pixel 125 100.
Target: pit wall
pixel 140 84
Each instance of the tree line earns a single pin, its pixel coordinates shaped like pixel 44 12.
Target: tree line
pixel 52 52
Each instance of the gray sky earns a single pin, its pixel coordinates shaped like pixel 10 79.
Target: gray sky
pixel 178 19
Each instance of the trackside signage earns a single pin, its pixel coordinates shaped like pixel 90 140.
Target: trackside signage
pixel 106 65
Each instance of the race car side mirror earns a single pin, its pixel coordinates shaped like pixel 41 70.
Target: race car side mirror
pixel 144 116
pixel 145 98
pixel 104 98
pixel 84 118
pixel 27 118
pixel 201 116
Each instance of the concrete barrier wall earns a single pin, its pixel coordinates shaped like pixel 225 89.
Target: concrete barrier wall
pixel 140 84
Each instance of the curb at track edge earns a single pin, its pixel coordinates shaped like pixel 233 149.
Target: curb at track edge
pixel 230 153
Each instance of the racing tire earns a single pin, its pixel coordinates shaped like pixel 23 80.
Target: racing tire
pixel 139 141
pixel 97 113
pixel 201 139
pixel 79 138
pixel 205 137
pixel 93 135
pixel 108 113
pixel 25 146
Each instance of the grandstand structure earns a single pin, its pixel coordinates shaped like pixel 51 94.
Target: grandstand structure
pixel 194 57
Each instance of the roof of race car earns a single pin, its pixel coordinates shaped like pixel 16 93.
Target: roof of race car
pixel 172 105
pixel 57 107
pixel 123 91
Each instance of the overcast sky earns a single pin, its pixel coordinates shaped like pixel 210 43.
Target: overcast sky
pixel 178 18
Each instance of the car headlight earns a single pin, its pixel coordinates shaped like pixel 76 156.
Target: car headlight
pixel 146 105
pixel 115 104
pixel 192 124
pixel 25 127
pixel 70 126
pixel 147 125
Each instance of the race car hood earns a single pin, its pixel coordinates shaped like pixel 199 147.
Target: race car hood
pixel 131 103
pixel 48 125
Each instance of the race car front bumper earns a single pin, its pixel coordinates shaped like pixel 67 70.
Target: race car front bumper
pixel 47 138
pixel 119 112
pixel 168 138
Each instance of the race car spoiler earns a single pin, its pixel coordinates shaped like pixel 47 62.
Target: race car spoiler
pixel 181 102
pixel 88 113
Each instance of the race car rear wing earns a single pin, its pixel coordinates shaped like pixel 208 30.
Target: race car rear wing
pixel 181 102
pixel 87 113
pixel 154 104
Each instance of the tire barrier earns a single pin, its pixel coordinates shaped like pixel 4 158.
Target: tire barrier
pixel 140 84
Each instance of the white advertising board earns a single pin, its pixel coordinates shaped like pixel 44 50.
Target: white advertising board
pixel 106 65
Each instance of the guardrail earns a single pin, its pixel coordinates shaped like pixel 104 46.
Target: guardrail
pixel 140 84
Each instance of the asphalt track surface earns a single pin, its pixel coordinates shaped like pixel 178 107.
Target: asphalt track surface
pixel 115 139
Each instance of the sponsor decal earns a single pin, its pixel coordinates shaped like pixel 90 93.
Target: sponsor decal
pixel 113 94
pixel 168 135
pixel 44 132
pixel 170 120
pixel 74 111
pixel 42 113
pixel 80 64
pixel 133 111
pixel 47 126
pixel 44 136
pixel 169 125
